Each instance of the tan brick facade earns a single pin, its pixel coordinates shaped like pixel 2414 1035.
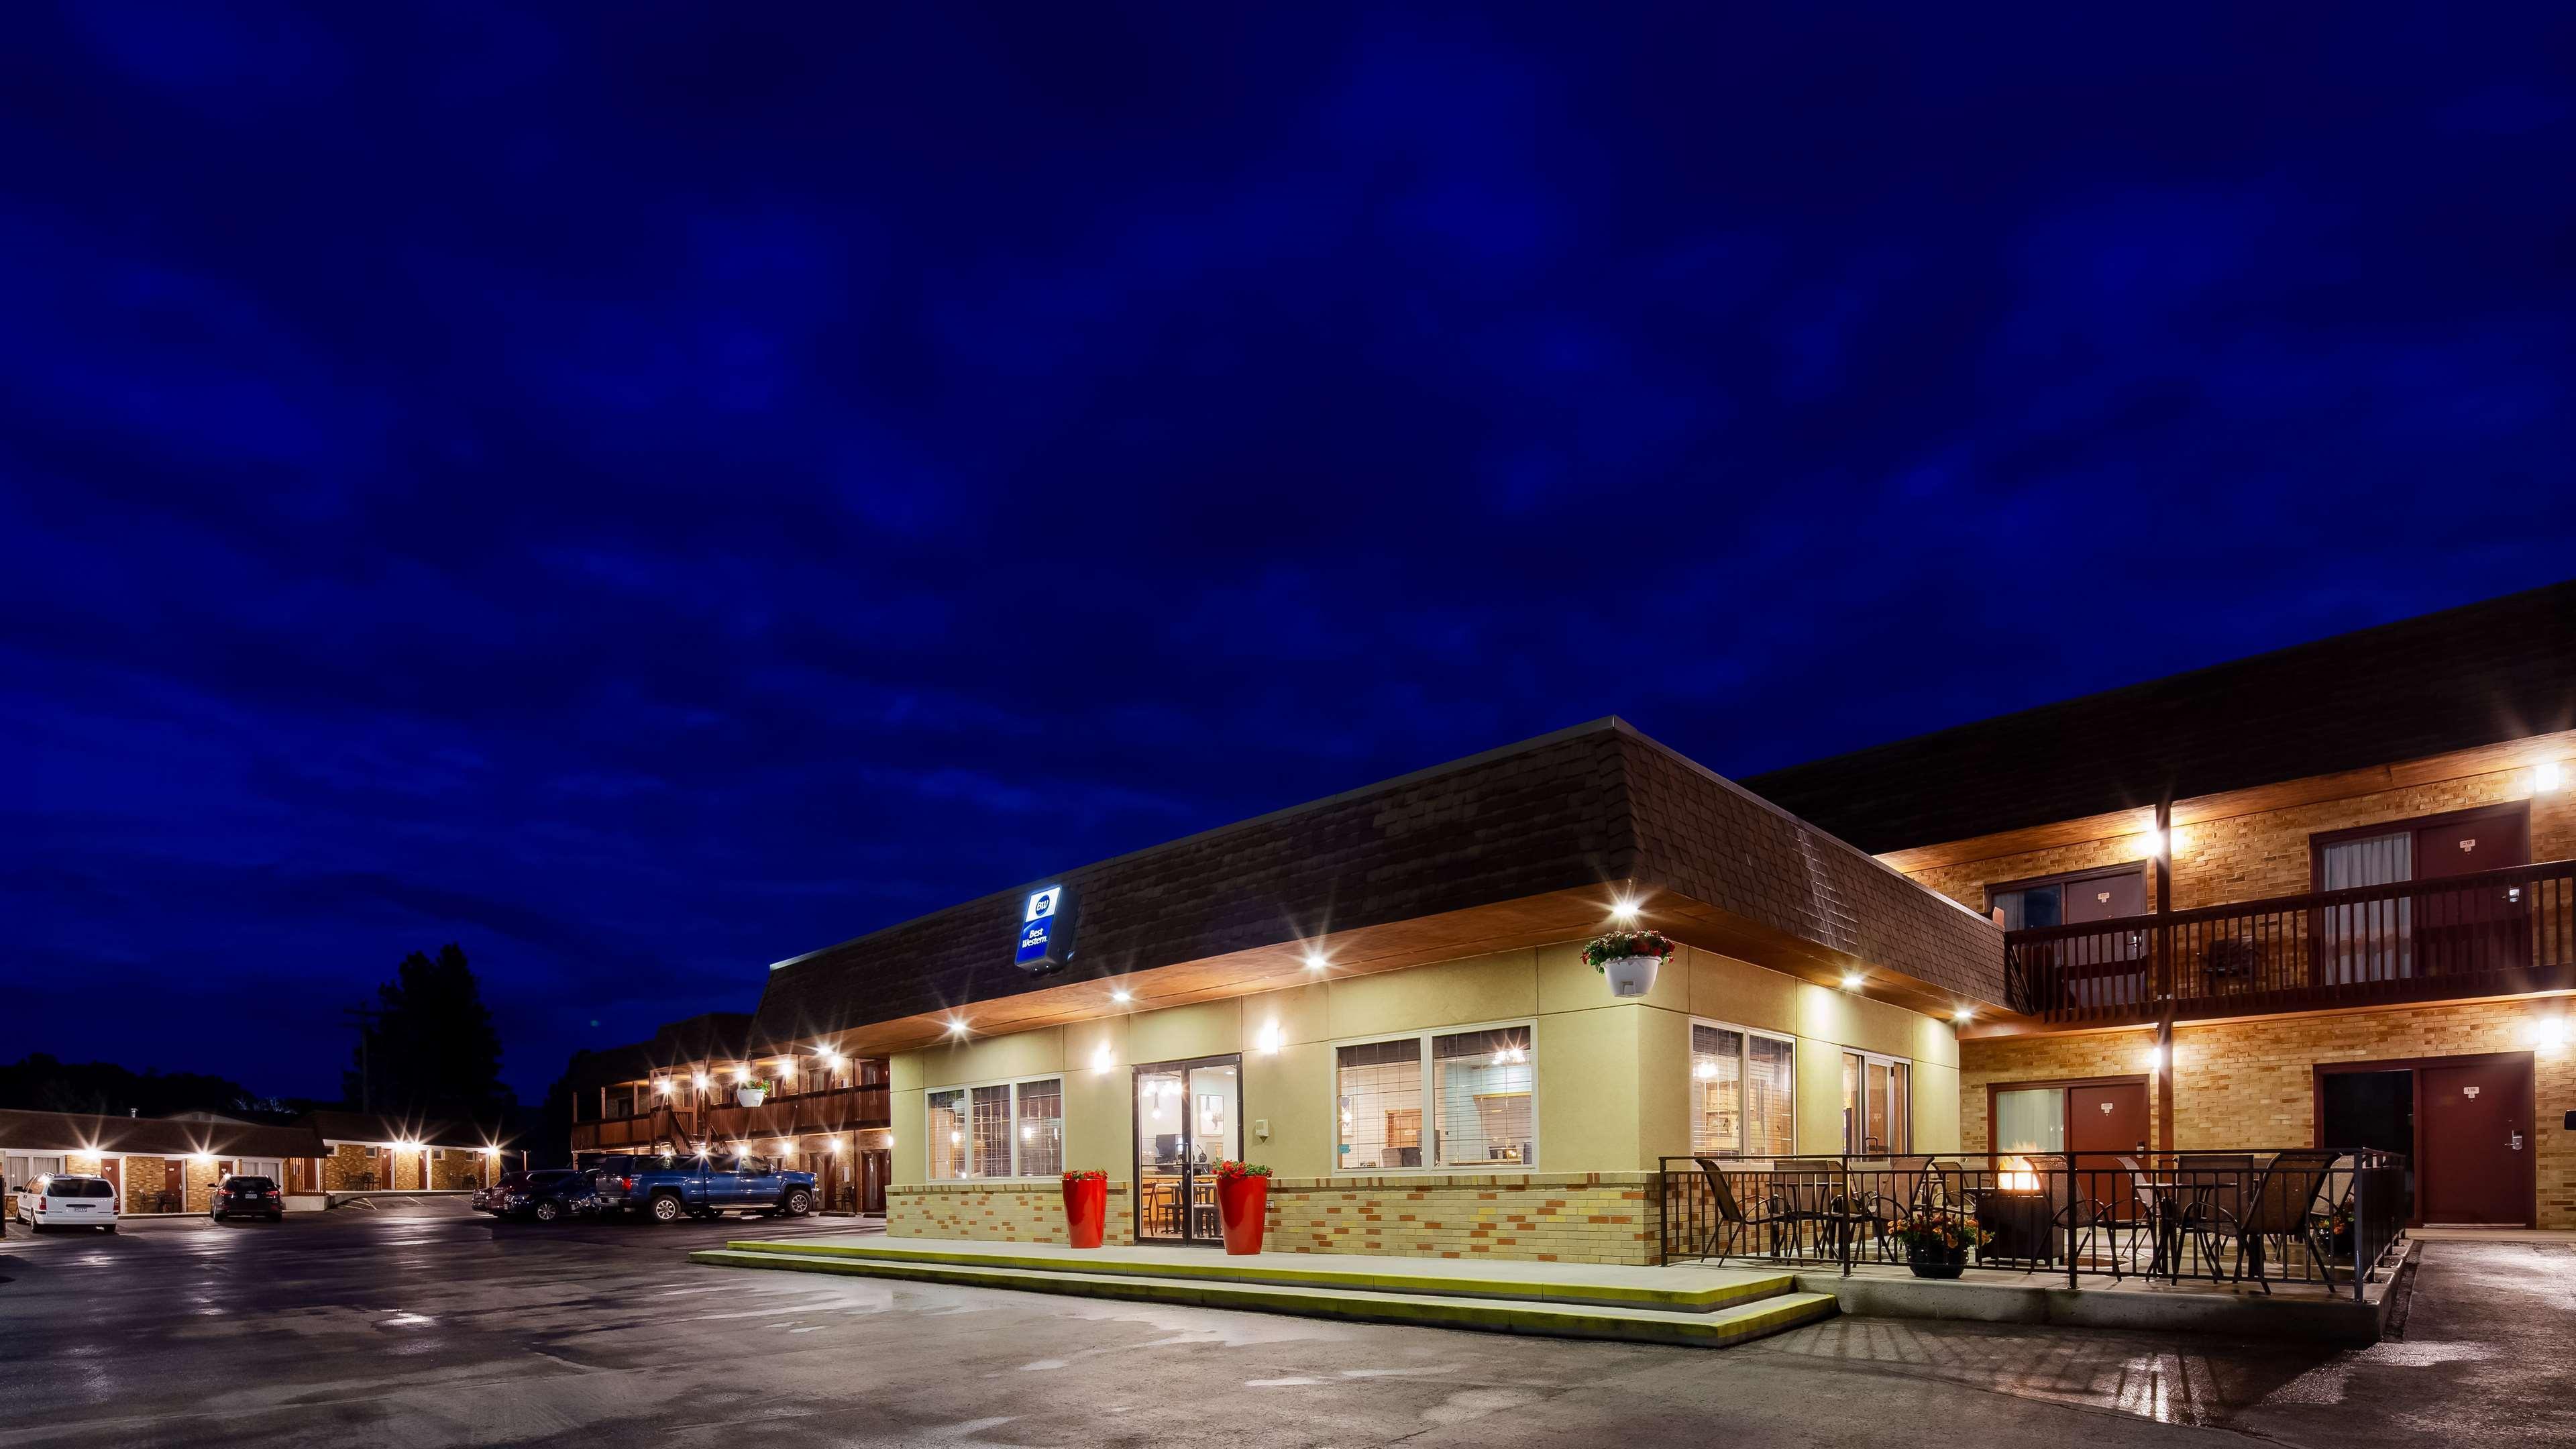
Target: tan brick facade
pixel 997 1212
pixel 1600 1217
pixel 2251 1084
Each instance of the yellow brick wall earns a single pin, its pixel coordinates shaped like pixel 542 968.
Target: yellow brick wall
pixel 1595 1217
pixel 2252 1084
pixel 2265 854
pixel 352 1167
pixel 997 1212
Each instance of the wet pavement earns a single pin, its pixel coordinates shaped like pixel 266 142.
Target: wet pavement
pixel 430 1326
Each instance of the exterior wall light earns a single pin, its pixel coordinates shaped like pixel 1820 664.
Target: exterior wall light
pixel 702 1081
pixel 2153 841
pixel 836 1147
pixel 742 1074
pixel 1962 1016
pixel 2549 1033
pixel 1852 981
pixel 1102 1059
pixel 1121 995
pixel 663 1086
pixel 1270 1038
pixel 2548 776
pixel 2155 1059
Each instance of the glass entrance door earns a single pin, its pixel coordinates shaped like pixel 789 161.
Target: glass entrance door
pixel 1189 1117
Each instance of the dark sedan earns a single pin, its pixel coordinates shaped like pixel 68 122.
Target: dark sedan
pixel 248 1197
pixel 552 1196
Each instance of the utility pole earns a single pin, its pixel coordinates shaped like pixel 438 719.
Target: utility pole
pixel 364 1019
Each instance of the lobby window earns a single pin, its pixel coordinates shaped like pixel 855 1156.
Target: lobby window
pixel 1742 1092
pixel 1481 1081
pixel 1877 1104
pixel 1041 1130
pixel 998 1129
pixel 1475 1089
pixel 1377 1105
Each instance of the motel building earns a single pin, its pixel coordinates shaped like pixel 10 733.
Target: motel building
pixel 2314 902
pixel 167 1166
pixel 1380 995
pixel 703 1086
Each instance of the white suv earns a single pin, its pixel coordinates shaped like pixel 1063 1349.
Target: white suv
pixel 64 1201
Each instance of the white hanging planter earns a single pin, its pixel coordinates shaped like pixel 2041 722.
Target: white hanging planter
pixel 1631 975
pixel 750 1096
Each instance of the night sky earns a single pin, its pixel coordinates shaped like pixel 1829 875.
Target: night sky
pixel 643 492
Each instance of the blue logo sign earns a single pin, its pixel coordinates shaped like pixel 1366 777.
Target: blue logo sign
pixel 1046 930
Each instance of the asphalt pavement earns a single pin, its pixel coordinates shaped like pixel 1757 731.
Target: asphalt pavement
pixel 429 1326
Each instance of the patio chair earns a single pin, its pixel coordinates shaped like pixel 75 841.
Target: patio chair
pixel 1732 1222
pixel 2283 1208
pixel 1818 1191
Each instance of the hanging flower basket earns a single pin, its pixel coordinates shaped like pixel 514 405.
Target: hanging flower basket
pixel 1629 959
pixel 750 1094
pixel 1086 1206
pixel 1243 1203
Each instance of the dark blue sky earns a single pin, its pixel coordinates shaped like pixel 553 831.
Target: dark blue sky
pixel 645 492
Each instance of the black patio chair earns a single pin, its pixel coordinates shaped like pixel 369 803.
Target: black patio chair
pixel 2283 1209
pixel 1732 1223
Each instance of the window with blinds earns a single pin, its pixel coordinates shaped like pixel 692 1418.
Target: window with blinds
pixel 1481 1084
pixel 1377 1105
pixel 1041 1128
pixel 947 1141
pixel 997 1129
pixel 1743 1089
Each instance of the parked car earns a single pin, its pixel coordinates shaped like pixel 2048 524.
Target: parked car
pixel 60 1200
pixel 488 1199
pixel 554 1195
pixel 667 1189
pixel 248 1197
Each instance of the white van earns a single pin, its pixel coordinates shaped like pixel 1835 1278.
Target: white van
pixel 62 1200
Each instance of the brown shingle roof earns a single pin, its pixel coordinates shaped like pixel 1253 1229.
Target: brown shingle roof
pixel 1592 804
pixel 371 1127
pixel 2477 675
pixel 153 1136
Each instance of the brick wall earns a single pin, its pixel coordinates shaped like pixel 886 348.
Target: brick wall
pixel 2265 854
pixel 1598 1217
pixel 352 1167
pixel 2251 1084
pixel 456 1169
pixel 997 1212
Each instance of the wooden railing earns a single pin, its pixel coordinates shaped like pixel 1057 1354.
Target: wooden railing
pixel 839 1109
pixel 2498 932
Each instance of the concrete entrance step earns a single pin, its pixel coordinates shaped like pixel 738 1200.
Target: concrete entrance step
pixel 1567 1284
pixel 1716 1328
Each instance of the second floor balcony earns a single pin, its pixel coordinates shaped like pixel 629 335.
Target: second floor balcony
pixel 2493 933
pixel 834 1109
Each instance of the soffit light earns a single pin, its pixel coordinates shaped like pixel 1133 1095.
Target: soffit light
pixel 1315 961
pixel 1852 982
pixel 1963 1014
pixel 1623 910
pixel 1121 995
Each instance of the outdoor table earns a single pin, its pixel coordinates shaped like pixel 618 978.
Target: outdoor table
pixel 2171 1214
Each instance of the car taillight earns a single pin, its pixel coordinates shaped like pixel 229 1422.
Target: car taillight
pixel 625 1184
pixel 272 1192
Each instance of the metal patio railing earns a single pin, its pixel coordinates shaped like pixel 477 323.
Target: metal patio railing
pixel 2293 1216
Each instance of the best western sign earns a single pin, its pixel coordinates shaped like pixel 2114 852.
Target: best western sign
pixel 1047 920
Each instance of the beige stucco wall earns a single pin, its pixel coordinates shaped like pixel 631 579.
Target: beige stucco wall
pixel 1612 1077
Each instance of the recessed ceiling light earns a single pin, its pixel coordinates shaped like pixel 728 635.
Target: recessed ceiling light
pixel 1314 960
pixel 1852 982
pixel 1962 1014
pixel 1624 910
pixel 1121 996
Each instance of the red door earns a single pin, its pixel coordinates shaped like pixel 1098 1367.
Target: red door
pixel 2473 1120
pixel 2107 1119
pixel 2466 931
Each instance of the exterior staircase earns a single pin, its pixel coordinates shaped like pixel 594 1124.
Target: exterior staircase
pixel 1697 1308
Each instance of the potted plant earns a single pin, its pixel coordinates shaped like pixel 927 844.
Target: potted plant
pixel 1937 1242
pixel 750 1093
pixel 2339 1230
pixel 1629 958
pixel 1086 1206
pixel 1243 1203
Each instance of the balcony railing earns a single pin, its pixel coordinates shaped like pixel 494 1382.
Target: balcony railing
pixel 836 1109
pixel 2497 932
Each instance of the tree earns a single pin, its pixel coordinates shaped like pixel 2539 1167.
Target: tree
pixel 42 1084
pixel 432 1045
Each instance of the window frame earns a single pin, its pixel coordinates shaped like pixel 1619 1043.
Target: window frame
pixel 1867 1059
pixel 2517 811
pixel 1744 1061
pixel 1010 1127
pixel 1431 1166
pixel 2143 869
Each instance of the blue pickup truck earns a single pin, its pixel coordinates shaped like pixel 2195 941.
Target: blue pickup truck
pixel 667 1189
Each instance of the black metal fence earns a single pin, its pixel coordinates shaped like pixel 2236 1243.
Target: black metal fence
pixel 2320 1219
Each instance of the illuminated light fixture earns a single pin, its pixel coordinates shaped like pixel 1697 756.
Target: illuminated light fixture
pixel 2548 776
pixel 2549 1033
pixel 1102 1059
pixel 785 1146
pixel 1315 961
pixel 956 1027
pixel 2153 840
pixel 1270 1038
pixel 831 1058
pixel 702 1081
pixel 1121 995
pixel 742 1074
pixel 663 1086
pixel 1963 1015
pixel 2155 1059
pixel 491 1151
pixel 1852 982
pixel 889 1139
pixel 836 1147
pixel 1623 910
pixel 203 1159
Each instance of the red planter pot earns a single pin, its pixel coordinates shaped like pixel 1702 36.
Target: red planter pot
pixel 1086 1211
pixel 1244 1204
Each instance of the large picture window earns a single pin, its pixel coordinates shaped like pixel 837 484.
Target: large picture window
pixel 1742 1092
pixel 998 1129
pixel 1476 1089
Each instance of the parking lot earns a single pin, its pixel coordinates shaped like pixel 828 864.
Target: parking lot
pixel 427 1325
